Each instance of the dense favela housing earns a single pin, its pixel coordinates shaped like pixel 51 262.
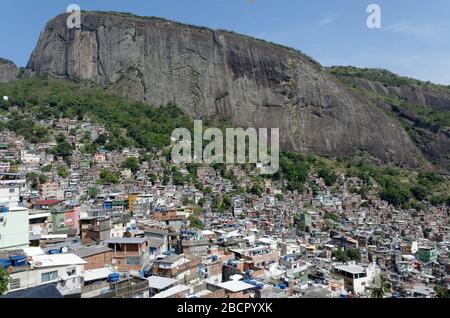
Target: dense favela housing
pixel 94 204
pixel 130 224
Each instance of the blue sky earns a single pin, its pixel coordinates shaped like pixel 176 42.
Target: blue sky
pixel 414 39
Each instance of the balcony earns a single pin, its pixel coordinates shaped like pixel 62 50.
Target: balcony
pixel 127 289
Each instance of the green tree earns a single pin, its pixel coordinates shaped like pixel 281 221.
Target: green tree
pixel 420 192
pixel 178 178
pixel 256 189
pixel 4 281
pixel 194 222
pixel 152 178
pixel 43 179
pixel 62 172
pixel 354 254
pixel 107 177
pixel 207 191
pixel 201 201
pixel 341 256
pixel 93 192
pixel 328 176
pixel 383 288
pixel 226 203
pixel 331 216
pixel 442 292
pixel 165 179
pixel 63 148
pixel 346 256
pixel 394 192
pixel 132 164
pixel 33 179
pixel 47 168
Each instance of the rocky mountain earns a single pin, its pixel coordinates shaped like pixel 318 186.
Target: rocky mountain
pixel 422 108
pixel 8 71
pixel 421 96
pixel 222 75
pixel 383 82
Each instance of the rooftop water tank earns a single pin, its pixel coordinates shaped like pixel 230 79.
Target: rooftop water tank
pixel 114 277
pixel 5 263
pixel 18 260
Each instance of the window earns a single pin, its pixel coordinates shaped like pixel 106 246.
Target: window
pixel 47 277
pixel 133 260
pixel 14 284
pixel 12 190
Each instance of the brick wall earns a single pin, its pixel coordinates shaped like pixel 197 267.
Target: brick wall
pixel 98 261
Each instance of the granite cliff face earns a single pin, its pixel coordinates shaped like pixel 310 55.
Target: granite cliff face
pixel 420 96
pixel 222 75
pixel 432 139
pixel 8 71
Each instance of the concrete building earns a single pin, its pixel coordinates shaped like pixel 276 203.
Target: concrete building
pixel 129 254
pixel 181 267
pixel 63 269
pixel 96 256
pixel 427 254
pixel 355 277
pixel 14 232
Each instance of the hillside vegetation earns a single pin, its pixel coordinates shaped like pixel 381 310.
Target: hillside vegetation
pixel 138 124
pixel 383 76
pixel 129 123
pixel 422 108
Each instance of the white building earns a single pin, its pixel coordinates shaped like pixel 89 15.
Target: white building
pixel 29 158
pixel 355 277
pixel 66 270
pixel 14 232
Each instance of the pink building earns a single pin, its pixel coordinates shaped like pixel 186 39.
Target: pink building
pixel 72 218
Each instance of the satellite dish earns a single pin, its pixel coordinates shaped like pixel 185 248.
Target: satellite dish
pixel 64 249
pixel 5 98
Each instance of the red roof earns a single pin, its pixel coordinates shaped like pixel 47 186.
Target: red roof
pixel 47 202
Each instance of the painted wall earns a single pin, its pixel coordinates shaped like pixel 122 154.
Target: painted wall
pixel 14 232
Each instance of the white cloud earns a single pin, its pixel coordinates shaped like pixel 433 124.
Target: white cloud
pixel 421 30
pixel 327 20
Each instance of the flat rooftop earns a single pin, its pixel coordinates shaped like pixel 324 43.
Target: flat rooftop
pixel 352 269
pixel 235 286
pixel 160 283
